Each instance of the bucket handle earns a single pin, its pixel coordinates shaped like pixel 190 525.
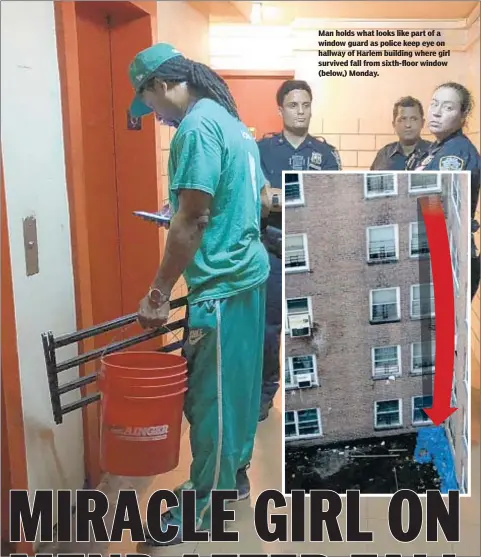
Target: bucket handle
pixel 123 329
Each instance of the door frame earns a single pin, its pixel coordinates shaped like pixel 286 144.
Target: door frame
pixel 14 456
pixel 69 70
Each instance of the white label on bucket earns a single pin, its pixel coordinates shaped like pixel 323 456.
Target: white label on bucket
pixel 151 433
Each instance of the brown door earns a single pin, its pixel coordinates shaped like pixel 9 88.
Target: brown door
pixel 255 96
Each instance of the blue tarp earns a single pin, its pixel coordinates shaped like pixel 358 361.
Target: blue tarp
pixel 432 445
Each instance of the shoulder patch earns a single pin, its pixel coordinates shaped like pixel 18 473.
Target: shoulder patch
pixel 336 155
pixel 451 162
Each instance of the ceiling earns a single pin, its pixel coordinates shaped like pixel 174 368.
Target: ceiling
pixel 284 13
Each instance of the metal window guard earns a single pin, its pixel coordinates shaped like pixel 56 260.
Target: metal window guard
pixel 51 344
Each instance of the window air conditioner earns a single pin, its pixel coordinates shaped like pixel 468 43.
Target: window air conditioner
pixel 304 381
pixel 300 325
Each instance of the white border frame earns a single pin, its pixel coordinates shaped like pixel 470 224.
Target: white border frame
pixel 283 346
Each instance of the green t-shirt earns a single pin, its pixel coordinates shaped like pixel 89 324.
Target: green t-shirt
pixel 214 152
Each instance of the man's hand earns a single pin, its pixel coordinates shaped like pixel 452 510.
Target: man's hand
pixel 268 206
pixel 151 316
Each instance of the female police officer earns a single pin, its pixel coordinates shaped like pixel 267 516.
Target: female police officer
pixel 215 186
pixel 450 106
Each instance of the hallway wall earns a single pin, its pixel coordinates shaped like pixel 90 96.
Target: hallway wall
pixel 35 184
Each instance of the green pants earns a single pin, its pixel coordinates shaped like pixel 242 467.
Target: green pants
pixel 224 352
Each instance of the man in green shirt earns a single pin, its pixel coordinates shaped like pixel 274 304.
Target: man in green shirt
pixel 216 188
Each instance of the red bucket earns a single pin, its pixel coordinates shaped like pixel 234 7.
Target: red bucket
pixel 141 423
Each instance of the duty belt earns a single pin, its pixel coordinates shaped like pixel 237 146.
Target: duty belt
pixel 272 239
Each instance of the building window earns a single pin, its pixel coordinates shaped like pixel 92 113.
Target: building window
pixel 454 262
pixel 465 429
pixel 385 305
pixel 296 255
pixel 386 361
pixel 388 414
pixel 418 240
pixel 466 373
pixel 464 479
pixel 380 185
pixel 419 403
pixel 454 393
pixel 302 424
pixel 456 194
pixel 423 355
pixel 382 243
pixel 452 431
pixel 293 190
pixel 301 372
pixel 423 182
pixel 422 300
pixel 299 317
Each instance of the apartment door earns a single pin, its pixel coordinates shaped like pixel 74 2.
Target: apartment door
pixel 255 95
pixel 119 158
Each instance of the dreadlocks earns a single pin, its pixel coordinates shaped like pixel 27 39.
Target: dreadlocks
pixel 201 78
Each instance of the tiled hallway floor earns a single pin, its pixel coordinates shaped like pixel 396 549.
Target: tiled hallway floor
pixel 265 473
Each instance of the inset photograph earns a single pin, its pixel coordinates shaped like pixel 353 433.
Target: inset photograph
pixel 360 323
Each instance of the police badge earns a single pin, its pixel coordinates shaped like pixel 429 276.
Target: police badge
pixel 316 161
pixel 451 163
pixel 425 162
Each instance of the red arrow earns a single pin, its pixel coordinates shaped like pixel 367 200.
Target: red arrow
pixel 435 224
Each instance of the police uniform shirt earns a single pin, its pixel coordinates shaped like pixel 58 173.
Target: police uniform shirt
pixel 455 153
pixel 392 157
pixel 277 154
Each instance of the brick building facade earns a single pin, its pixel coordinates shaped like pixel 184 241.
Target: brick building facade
pixel 357 365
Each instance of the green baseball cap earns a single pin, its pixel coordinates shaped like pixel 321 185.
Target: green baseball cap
pixel 145 63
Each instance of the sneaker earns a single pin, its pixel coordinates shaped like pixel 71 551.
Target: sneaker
pixel 242 484
pixel 264 413
pixel 166 520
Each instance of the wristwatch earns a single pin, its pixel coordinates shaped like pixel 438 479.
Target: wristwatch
pixel 157 297
pixel 276 201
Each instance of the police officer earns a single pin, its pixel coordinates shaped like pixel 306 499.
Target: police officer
pixel 452 151
pixel 292 149
pixel 450 107
pixel 408 122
